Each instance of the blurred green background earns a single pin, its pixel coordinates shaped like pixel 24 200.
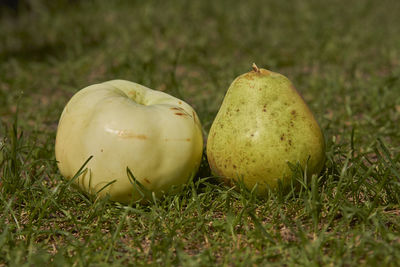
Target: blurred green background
pixel 333 51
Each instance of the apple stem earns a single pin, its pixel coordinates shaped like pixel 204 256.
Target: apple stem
pixel 255 68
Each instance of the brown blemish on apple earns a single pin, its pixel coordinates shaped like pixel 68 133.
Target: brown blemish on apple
pixel 177 139
pixel 101 150
pixel 139 136
pixel 282 137
pixel 194 117
pixel 125 134
pixel 181 113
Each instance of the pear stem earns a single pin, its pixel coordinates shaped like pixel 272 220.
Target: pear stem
pixel 255 68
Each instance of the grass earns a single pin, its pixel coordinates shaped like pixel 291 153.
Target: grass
pixel 342 56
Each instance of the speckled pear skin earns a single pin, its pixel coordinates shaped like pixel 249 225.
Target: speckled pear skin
pixel 263 124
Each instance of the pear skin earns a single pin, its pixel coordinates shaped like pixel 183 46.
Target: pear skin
pixel 263 125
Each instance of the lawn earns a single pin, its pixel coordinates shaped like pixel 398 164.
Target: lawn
pixel 344 58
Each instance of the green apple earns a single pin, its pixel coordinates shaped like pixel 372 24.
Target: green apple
pixel 124 125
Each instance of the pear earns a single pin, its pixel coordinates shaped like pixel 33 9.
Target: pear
pixel 262 127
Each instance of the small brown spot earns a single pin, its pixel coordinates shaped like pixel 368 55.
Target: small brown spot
pixel 180 102
pixel 237 110
pixel 252 135
pixel 290 142
pixel 282 137
pixel 147 181
pixel 293 112
pixel 101 150
pixel 265 108
pixel 234 166
pixel 225 166
pixel 188 139
pixel 179 114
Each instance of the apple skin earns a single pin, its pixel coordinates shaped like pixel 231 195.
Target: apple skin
pixel 126 125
